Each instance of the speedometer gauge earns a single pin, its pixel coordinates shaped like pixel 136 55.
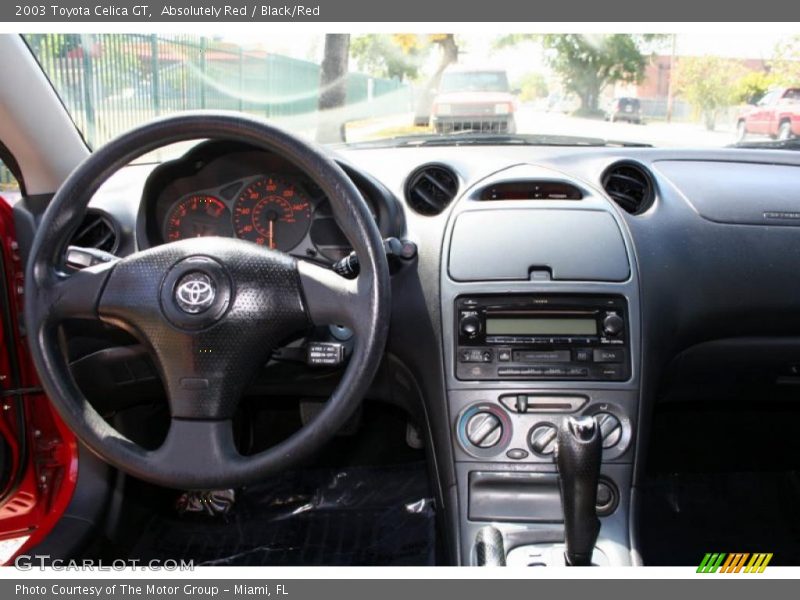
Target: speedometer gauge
pixel 198 215
pixel 273 212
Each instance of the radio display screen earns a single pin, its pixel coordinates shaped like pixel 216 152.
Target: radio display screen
pixel 540 326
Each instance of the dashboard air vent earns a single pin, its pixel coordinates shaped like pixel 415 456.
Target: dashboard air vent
pixel 431 188
pixel 630 185
pixel 96 231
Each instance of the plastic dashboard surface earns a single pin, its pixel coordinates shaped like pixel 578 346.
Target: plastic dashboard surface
pixel 572 244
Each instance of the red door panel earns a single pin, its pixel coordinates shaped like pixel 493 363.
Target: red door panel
pixel 41 465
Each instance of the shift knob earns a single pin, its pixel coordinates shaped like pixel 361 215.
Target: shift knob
pixel 489 548
pixel 578 454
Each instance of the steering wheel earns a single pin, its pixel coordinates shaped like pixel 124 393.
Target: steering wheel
pixel 209 310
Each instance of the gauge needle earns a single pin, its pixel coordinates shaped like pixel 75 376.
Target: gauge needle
pixel 271 244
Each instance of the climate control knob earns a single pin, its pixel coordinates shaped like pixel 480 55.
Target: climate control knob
pixel 542 438
pixel 610 429
pixel 470 326
pixel 613 325
pixel 484 429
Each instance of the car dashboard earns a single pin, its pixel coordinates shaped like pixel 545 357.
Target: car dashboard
pixel 684 248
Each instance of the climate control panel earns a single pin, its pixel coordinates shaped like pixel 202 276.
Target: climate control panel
pixel 522 426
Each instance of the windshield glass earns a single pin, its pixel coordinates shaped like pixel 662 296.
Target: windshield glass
pixel 687 90
pixel 474 81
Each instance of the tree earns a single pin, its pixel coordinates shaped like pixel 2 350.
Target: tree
pixel 785 66
pixel 708 84
pixel 448 47
pixel 753 85
pixel 588 63
pixel 333 88
pixel 55 45
pixel 532 86
pixel 390 56
pixel 401 55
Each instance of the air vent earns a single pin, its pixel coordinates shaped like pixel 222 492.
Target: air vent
pixel 431 188
pixel 532 190
pixel 96 231
pixel 630 186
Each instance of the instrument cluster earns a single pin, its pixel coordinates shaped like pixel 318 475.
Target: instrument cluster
pixel 219 190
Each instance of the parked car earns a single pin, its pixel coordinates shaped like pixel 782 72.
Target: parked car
pixel 475 100
pixel 776 114
pixel 625 109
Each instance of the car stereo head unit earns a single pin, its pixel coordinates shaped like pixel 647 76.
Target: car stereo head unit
pixel 550 336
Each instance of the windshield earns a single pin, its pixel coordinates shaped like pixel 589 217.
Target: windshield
pixel 474 81
pixel 686 90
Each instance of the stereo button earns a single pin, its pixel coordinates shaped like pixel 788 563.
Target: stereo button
pixel 611 372
pixel 577 372
pixel 470 326
pixel 609 355
pixel 613 324
pixel 583 355
pixel 475 355
pixel 517 454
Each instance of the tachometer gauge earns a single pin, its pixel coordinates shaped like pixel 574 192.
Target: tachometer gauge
pixel 272 212
pixel 198 215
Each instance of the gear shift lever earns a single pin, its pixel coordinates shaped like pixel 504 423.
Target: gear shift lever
pixel 578 454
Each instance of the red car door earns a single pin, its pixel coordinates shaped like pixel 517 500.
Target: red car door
pixel 758 120
pixel 38 454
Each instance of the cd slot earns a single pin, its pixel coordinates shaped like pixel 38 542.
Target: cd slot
pixel 541 356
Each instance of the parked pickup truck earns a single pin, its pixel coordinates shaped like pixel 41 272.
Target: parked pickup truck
pixel 474 100
pixel 776 114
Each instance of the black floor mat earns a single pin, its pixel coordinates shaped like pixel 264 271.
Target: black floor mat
pixel 354 516
pixel 683 516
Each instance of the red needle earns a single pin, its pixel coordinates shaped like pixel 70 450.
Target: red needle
pixel 271 245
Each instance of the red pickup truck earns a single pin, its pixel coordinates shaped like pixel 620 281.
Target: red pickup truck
pixel 776 114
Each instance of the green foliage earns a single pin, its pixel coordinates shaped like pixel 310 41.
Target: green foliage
pixel 786 62
pixel 708 84
pixel 751 86
pixel 57 45
pixel 588 63
pixel 390 56
pixel 532 87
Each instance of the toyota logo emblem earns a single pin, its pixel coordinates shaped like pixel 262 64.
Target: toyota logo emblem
pixel 195 292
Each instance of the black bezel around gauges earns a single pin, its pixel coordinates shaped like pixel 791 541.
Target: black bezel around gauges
pixel 234 190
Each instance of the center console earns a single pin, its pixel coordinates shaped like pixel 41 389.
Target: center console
pixel 545 340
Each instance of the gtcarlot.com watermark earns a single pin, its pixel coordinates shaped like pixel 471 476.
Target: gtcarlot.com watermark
pixel 25 562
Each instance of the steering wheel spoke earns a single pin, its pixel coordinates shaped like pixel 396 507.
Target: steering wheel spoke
pixel 76 295
pixel 332 299
pixel 198 446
